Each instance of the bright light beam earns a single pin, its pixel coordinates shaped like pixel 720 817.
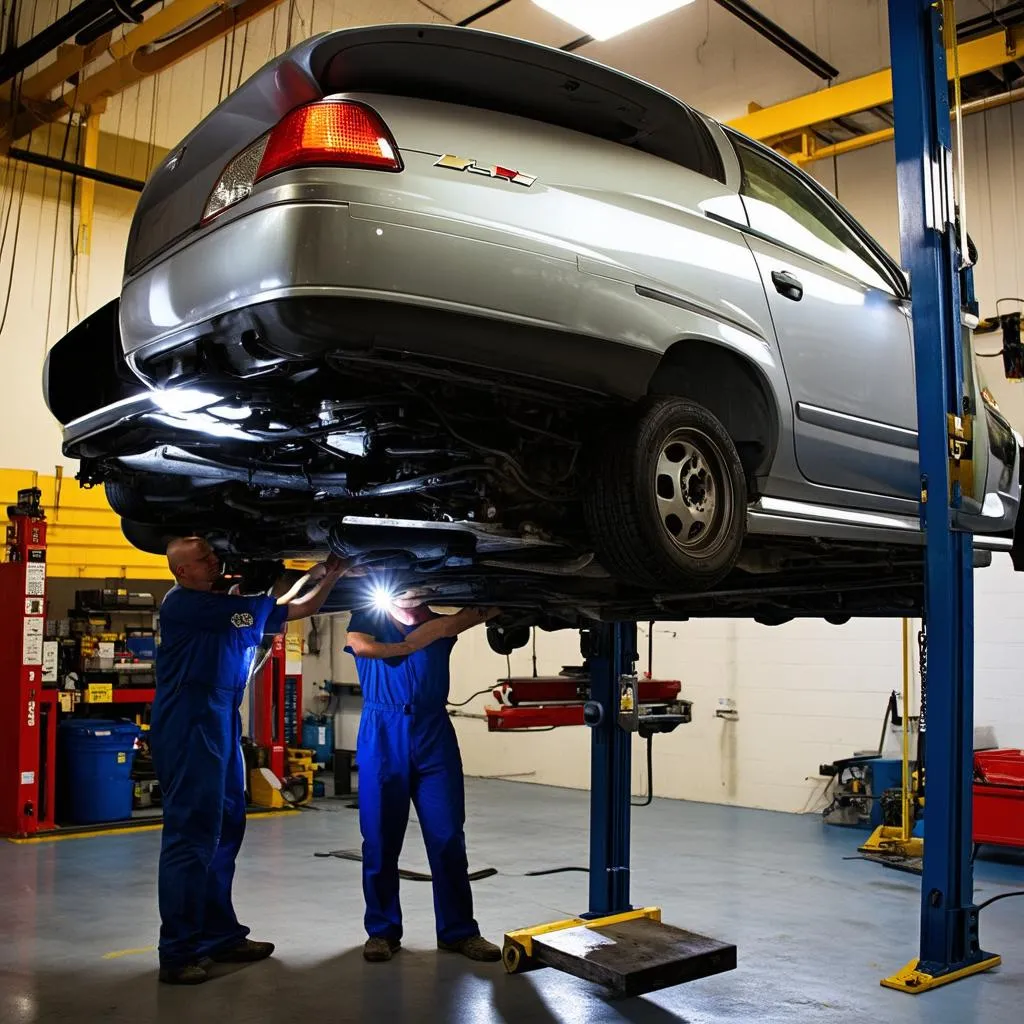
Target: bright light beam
pixel 383 598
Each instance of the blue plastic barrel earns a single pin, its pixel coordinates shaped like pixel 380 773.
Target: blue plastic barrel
pixel 97 762
pixel 318 736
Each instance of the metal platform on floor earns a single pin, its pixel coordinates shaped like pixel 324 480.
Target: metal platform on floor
pixel 630 954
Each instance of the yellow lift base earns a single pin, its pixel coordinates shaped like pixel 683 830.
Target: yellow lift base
pixel 915 981
pixel 887 846
pixel 889 839
pixel 630 954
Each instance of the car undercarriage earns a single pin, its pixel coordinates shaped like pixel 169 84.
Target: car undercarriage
pixel 453 484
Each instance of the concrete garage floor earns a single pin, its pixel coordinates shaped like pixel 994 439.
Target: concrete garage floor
pixel 814 932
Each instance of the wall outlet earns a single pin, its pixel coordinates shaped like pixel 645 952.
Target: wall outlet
pixel 727 709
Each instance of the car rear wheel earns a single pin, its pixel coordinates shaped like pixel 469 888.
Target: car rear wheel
pixel 146 537
pixel 666 498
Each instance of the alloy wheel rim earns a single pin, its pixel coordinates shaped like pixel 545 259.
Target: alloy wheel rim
pixel 693 492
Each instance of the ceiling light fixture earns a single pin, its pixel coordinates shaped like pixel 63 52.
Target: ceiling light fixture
pixel 603 19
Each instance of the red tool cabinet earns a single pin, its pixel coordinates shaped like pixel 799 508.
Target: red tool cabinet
pixel 999 797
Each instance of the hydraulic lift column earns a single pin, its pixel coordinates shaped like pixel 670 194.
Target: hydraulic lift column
pixel 950 946
pixel 613 655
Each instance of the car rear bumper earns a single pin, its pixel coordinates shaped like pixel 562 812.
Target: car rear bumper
pixel 286 261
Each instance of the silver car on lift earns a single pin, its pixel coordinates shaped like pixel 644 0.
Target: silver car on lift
pixel 516 327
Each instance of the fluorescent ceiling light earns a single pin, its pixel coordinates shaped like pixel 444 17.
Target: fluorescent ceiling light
pixel 603 19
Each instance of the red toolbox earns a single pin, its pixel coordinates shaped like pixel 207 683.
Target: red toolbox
pixel 999 797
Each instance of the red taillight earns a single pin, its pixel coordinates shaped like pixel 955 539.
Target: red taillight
pixel 330 132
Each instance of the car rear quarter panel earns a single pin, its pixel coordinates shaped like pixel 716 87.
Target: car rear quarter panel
pixel 600 221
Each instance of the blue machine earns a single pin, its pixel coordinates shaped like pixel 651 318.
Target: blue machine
pixel 950 944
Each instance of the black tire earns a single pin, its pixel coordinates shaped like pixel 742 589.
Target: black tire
pixel 126 501
pixel 146 537
pixel 137 502
pixel 630 507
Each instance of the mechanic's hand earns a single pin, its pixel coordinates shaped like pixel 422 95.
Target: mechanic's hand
pixel 475 616
pixel 336 566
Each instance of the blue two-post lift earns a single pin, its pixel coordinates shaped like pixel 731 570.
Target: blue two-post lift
pixel 950 944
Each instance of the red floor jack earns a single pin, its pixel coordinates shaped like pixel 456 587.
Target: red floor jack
pixel 28 713
pixel 552 701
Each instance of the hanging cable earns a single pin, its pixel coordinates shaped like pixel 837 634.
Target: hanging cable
pixel 241 57
pixel 533 638
pixel 650 775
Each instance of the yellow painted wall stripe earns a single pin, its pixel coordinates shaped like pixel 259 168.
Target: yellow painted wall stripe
pixel 84 536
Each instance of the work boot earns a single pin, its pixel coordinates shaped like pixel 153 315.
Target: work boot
pixel 379 950
pixel 476 947
pixel 188 974
pixel 246 952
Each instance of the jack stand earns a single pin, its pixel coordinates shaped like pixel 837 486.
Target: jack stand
pixel 629 951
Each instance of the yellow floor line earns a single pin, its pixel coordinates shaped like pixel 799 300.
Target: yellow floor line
pixel 59 837
pixel 128 952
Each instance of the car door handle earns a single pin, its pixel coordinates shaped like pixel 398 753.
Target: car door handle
pixel 788 285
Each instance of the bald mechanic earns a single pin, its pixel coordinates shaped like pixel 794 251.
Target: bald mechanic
pixel 208 642
pixel 407 751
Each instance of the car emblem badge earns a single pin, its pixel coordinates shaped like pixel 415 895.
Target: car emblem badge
pixel 458 163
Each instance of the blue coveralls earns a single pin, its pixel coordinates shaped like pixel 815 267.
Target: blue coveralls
pixel 207 646
pixel 407 751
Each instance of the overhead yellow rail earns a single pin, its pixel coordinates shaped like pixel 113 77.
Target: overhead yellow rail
pixel 136 55
pixel 792 120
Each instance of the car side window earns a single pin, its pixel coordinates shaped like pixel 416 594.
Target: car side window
pixel 782 207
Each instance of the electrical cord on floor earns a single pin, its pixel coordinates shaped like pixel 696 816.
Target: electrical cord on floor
pixel 555 871
pixel 474 876
pixel 1001 896
pixel 650 775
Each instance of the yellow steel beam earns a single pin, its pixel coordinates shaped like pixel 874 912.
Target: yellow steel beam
pixel 792 117
pixel 87 187
pixel 820 152
pixel 134 61
pixel 70 60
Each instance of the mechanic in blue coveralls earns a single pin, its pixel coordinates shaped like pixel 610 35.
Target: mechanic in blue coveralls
pixel 208 642
pixel 407 751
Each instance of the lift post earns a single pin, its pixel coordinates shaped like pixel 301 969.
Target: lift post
pixel 950 947
pixel 613 655
pixel 629 951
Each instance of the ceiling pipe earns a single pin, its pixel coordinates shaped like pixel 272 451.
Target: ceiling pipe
pixel 121 15
pixel 78 18
pixel 775 33
pixel 489 9
pixel 53 163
